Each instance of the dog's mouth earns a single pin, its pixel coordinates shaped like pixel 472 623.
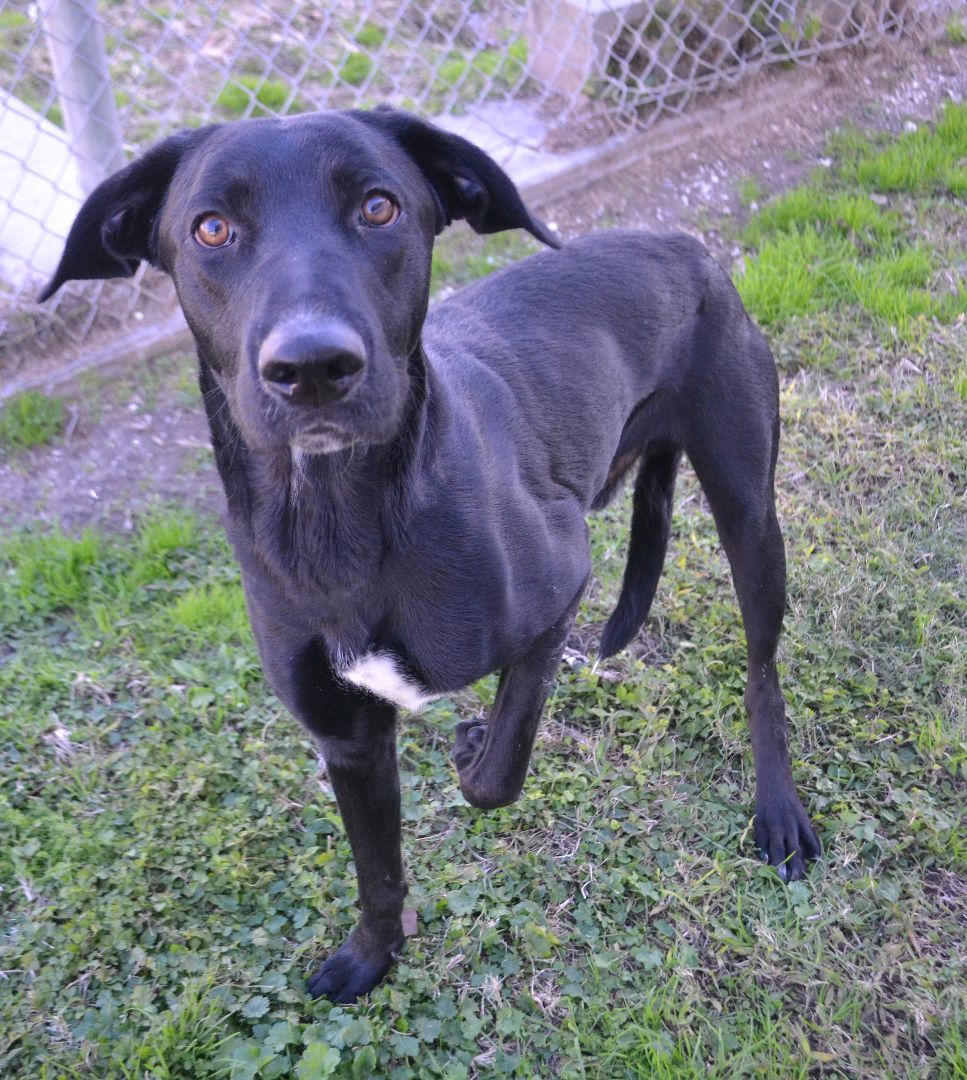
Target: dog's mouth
pixel 322 439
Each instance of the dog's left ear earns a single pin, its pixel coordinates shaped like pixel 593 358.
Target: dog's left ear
pixel 467 182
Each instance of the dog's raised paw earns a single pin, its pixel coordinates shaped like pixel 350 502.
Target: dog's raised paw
pixel 347 976
pixel 484 781
pixel 469 739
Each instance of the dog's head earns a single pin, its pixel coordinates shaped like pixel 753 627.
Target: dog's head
pixel 300 250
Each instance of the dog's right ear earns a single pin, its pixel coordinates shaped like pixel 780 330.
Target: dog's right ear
pixel 117 226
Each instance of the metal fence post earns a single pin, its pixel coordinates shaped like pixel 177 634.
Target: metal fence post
pixel 84 87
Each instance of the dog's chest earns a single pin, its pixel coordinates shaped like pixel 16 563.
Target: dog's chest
pixel 381 674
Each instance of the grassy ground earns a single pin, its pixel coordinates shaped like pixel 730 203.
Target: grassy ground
pixel 172 860
pixel 30 419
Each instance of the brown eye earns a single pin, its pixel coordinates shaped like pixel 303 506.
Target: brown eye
pixel 379 209
pixel 214 231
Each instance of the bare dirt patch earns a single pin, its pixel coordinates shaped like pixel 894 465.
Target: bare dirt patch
pixel 129 443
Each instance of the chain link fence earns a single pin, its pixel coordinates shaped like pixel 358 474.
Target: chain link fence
pixel 84 85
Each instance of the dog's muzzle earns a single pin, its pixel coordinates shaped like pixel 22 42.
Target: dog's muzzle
pixel 311 363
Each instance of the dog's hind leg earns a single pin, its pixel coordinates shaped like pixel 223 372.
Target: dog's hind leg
pixel 734 457
pixel 492 755
pixel 650 525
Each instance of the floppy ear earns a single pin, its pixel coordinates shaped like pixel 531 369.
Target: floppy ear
pixel 117 225
pixel 467 182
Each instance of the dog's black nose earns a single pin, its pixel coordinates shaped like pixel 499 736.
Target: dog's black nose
pixel 311 364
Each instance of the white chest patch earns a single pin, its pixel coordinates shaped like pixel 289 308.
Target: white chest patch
pixel 380 674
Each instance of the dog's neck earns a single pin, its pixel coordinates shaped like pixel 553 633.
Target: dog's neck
pixel 320 523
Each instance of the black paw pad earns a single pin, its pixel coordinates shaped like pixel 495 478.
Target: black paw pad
pixel 469 738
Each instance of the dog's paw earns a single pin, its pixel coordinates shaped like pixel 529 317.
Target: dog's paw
pixel 469 739
pixel 785 837
pixel 348 975
pixel 484 778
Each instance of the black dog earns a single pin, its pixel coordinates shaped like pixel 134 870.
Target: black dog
pixel 407 492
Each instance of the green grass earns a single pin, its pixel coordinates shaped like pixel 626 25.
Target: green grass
pixel 172 866
pixel 269 96
pixel 356 68
pixel 836 213
pixel 750 190
pixel 924 160
pixel 13 20
pixel 30 419
pixel 370 36
pixel 794 273
pixel 833 244
pixel 460 256
pixel 474 75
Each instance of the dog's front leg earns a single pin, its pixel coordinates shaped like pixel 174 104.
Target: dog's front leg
pixel 363 771
pixel 492 754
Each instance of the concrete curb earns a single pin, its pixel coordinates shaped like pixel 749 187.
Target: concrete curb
pixel 170 335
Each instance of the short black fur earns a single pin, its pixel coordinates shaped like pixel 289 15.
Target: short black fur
pixel 407 491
